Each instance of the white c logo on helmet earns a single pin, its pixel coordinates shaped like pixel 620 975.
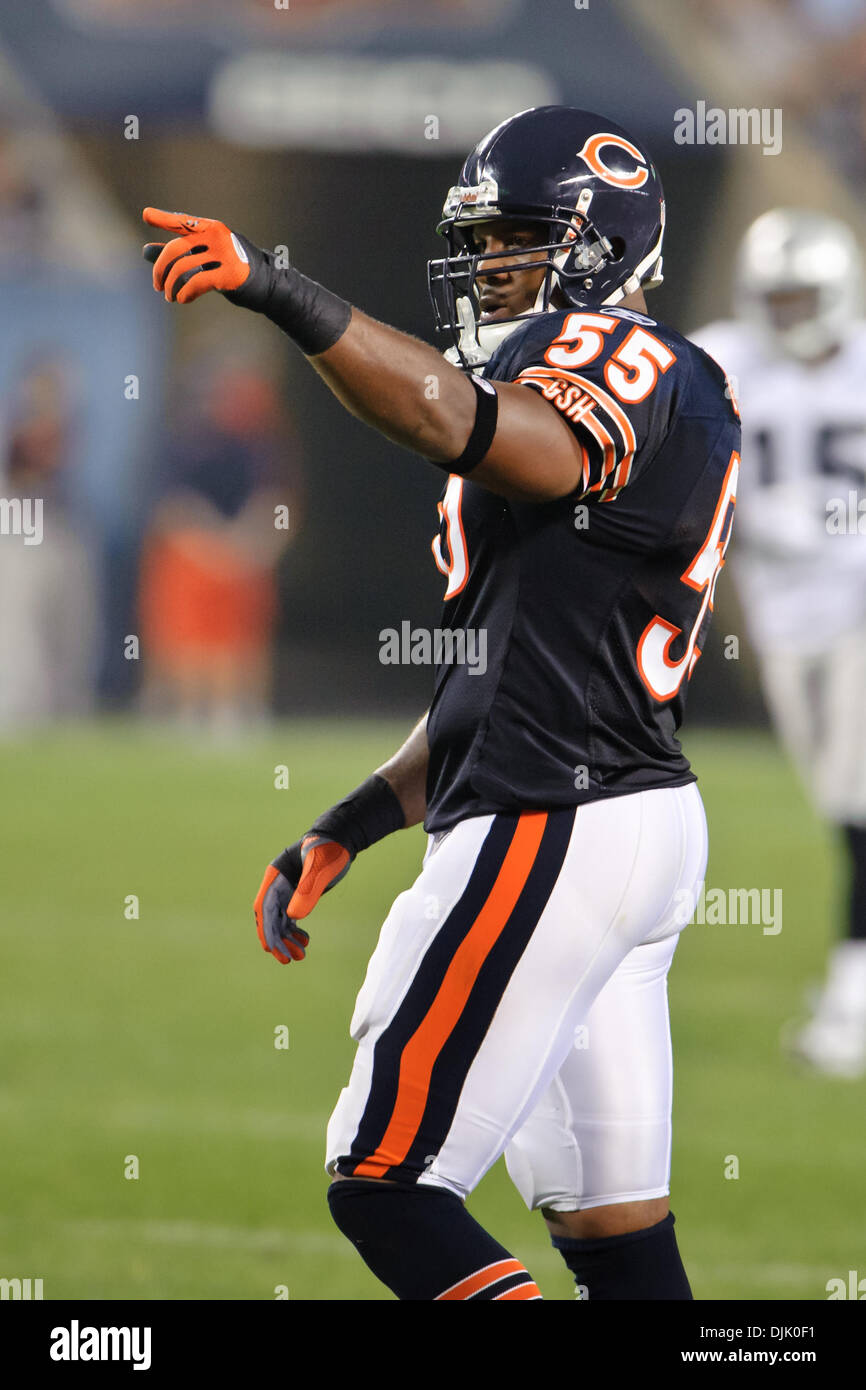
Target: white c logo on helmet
pixel 591 155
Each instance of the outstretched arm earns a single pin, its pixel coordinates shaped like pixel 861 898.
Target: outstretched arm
pixel 381 375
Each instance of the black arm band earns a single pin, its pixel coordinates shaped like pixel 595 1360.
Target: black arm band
pixel 366 815
pixel 479 441
pixel 311 315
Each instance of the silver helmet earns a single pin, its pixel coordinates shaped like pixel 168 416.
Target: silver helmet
pixel 799 280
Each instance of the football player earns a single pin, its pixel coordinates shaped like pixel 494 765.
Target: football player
pixel 516 1000
pixel 797 349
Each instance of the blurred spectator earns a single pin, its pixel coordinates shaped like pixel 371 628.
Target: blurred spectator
pixel 827 90
pixel 22 208
pixel 807 57
pixel 48 605
pixel 208 590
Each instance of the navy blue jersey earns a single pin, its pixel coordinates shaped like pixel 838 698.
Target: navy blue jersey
pixel 570 628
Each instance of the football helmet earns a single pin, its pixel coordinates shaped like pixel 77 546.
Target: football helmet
pixel 598 202
pixel 798 280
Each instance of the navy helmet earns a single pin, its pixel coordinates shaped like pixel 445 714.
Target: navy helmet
pixel 599 204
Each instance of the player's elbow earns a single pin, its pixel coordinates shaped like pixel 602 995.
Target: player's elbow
pixel 444 424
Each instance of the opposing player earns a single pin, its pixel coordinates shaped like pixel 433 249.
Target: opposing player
pixel 516 1000
pixel 798 351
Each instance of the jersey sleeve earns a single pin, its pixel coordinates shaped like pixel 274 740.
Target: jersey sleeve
pixel 611 379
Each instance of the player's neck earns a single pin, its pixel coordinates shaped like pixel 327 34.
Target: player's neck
pixel 634 301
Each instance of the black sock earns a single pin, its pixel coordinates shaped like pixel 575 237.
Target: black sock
pixel 422 1243
pixel 856 838
pixel 639 1264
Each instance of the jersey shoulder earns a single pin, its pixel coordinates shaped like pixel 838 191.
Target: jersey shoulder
pixel 606 345
pixel 589 336
pixel 619 378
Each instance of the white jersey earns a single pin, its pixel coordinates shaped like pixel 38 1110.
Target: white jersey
pixel 799 557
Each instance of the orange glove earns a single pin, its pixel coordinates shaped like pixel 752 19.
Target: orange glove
pixel 297 878
pixel 205 255
pixel 291 887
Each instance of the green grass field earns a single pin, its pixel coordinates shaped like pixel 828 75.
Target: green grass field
pixel 155 1037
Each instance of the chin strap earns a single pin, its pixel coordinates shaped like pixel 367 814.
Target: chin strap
pixel 477 342
pixel 468 352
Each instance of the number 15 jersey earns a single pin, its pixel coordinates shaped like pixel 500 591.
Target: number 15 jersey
pixel 586 615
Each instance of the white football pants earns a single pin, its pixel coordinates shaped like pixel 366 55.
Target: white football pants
pixel 517 1002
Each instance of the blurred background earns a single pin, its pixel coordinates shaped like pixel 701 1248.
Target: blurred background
pixel 183 684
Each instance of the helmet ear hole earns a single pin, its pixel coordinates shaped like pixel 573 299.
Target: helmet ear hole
pixel 617 248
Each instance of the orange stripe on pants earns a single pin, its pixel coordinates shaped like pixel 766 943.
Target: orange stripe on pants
pixel 426 1043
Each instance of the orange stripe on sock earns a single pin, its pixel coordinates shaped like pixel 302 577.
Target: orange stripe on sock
pixel 491 1274
pixel 529 1290
pixel 423 1048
